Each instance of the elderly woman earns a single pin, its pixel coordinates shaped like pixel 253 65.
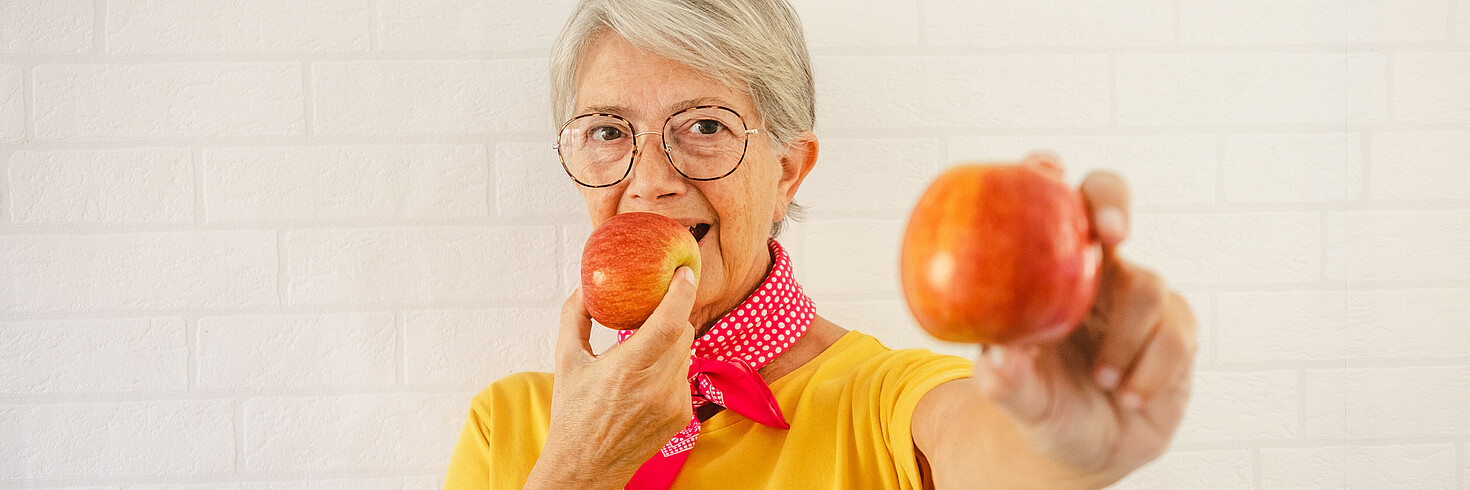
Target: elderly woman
pixel 702 111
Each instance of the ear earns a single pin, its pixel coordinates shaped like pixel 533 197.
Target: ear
pixel 800 157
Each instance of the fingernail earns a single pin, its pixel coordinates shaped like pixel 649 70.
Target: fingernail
pixel 687 274
pixel 1131 400
pixel 1110 221
pixel 996 355
pixel 1107 377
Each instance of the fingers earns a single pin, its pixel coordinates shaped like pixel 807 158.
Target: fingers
pixel 668 327
pixel 1166 360
pixel 1007 376
pixel 1048 162
pixel 1108 202
pixel 1131 313
pixel 573 341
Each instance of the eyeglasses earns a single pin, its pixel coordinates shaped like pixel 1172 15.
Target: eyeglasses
pixel 702 143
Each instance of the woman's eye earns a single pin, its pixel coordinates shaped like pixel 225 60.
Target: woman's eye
pixel 706 126
pixel 606 133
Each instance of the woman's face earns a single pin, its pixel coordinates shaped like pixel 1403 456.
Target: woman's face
pixel 645 89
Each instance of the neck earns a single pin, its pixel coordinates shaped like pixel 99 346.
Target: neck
pixel 705 318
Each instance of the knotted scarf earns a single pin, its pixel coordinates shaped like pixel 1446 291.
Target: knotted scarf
pixel 725 361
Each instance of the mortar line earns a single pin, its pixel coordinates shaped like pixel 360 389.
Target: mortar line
pixel 400 333
pixel 191 341
pixel 1256 468
pixel 196 154
pixel 99 28
pixel 308 107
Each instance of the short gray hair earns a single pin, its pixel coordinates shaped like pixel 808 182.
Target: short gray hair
pixel 752 46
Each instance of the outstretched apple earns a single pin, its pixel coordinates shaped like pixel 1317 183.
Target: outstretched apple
pixel 999 254
pixel 627 265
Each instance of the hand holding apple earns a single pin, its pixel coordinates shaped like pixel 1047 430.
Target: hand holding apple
pixel 627 265
pixel 999 254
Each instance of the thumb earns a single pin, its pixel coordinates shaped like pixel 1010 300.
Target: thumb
pixel 1008 377
pixel 667 329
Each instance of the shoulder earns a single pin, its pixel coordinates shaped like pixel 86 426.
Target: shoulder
pixel 520 390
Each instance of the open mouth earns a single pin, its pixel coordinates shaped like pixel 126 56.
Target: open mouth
pixel 699 231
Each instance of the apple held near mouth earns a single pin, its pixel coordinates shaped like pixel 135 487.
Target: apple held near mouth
pixel 999 254
pixel 627 265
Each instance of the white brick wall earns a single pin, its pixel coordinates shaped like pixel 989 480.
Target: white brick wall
pixel 278 244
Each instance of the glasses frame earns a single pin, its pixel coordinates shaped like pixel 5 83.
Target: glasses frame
pixel 662 142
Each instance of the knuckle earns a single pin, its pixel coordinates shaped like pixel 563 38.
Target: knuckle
pixel 1147 289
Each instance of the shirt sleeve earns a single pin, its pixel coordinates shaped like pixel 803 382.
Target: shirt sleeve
pixel 503 434
pixel 909 375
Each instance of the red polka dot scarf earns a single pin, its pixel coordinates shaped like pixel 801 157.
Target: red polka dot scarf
pixel 725 360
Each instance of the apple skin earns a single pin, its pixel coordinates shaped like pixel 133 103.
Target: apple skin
pixel 999 254
pixel 627 265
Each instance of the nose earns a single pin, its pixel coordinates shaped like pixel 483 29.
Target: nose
pixel 653 176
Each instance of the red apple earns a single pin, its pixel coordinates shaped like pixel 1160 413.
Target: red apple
pixel 999 254
pixel 627 265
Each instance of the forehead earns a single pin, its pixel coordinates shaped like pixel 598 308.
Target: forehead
pixel 620 78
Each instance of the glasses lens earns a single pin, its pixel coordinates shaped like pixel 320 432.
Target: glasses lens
pixel 596 149
pixel 705 142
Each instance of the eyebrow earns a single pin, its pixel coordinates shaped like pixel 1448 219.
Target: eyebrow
pixel 681 105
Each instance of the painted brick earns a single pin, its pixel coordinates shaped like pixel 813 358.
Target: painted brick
pixel 389 432
pixel 851 256
pixel 473 348
pixel 1391 246
pixel 1429 87
pixel 419 265
pixel 1411 21
pixel 183 26
pixel 530 181
pixel 1414 323
pixel 1251 406
pixel 859 23
pixel 1367 87
pixel 144 185
pixel 1283 326
pixel 12 104
pixel 1199 89
pixel 1276 247
pixel 168 100
pixel 138 271
pixel 94 356
pixel 115 440
pixel 869 175
pixel 1388 402
pixel 1370 467
pixel 1194 469
pixel 431 97
pixel 1160 170
pixel 296 351
pixel 1071 23
pixel 889 321
pixel 573 238
pixel 46 26
pixel 1330 22
pixel 423 483
pixel 353 484
pixel 318 183
pixel 1462 29
pixel 1292 167
pixel 1419 166
pixel 1020 91
pixel 461 25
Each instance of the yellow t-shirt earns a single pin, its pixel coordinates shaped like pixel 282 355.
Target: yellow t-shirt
pixel 849 409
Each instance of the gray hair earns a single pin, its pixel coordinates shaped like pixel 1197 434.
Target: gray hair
pixel 752 46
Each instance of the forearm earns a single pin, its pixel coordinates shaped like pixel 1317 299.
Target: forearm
pixel 554 472
pixel 981 444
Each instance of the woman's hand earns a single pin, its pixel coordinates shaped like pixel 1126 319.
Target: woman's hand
pixel 1108 398
pixel 611 412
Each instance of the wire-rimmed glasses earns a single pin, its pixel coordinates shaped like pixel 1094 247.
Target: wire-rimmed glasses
pixel 703 143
